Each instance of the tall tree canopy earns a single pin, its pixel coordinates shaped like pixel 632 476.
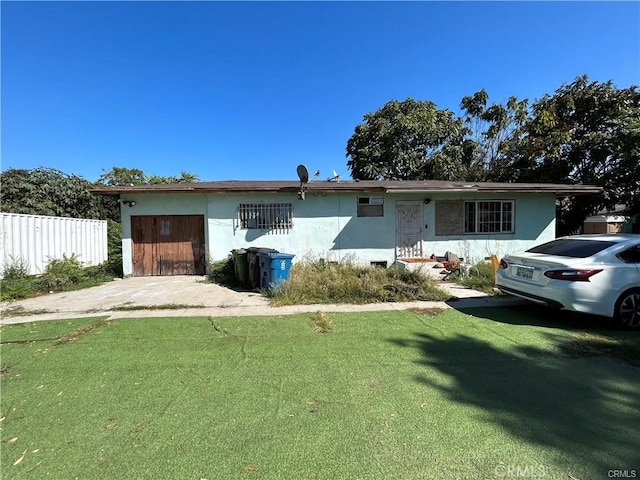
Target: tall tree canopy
pixel 585 133
pixel 45 191
pixel 495 132
pixel 121 176
pixel 406 141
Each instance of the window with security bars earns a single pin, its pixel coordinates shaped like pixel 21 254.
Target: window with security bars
pixel 488 216
pixel 265 216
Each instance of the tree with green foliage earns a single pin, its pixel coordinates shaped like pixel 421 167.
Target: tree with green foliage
pixel 184 177
pixel 585 133
pixel 121 176
pixel 495 132
pixel 45 191
pixel 409 140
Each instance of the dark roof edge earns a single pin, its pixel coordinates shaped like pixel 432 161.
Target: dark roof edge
pixel 391 186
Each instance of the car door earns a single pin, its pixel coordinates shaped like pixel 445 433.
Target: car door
pixel 631 257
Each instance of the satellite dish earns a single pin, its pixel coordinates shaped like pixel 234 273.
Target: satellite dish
pixel 303 173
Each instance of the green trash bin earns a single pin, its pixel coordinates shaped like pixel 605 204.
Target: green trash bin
pixel 240 265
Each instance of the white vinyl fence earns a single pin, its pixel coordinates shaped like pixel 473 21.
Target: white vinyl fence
pixel 35 240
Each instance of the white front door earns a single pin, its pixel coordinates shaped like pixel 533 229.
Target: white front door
pixel 409 220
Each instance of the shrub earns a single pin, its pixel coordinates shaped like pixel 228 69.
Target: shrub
pixel 223 272
pixel 113 266
pixel 322 282
pixel 66 273
pixel 17 282
pixel 62 273
pixel 15 268
pixel 322 323
pixel 16 288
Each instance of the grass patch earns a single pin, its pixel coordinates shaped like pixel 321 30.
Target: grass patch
pixel 75 335
pixel 387 395
pixel 322 323
pixel 42 333
pixel 576 335
pixel 164 306
pixel 322 282
pixel 430 312
pixel 589 344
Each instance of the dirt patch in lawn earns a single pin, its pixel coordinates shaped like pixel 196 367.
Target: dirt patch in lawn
pixel 588 344
pixel 429 312
pixel 74 336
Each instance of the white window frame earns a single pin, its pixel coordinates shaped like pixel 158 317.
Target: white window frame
pixel 488 219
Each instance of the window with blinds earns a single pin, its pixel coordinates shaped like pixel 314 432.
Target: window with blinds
pixel 265 216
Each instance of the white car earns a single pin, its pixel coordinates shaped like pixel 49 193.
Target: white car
pixel 596 274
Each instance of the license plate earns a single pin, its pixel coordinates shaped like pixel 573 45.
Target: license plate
pixel 524 272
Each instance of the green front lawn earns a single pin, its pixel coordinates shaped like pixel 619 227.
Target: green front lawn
pixel 402 395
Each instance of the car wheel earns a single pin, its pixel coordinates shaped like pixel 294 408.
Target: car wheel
pixel 628 309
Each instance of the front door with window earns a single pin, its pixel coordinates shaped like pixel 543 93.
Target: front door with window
pixel 409 223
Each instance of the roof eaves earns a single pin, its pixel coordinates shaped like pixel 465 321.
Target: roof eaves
pixel 349 187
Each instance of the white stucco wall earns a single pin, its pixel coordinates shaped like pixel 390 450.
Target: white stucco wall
pixel 326 225
pixel 534 223
pixel 157 204
pixel 323 226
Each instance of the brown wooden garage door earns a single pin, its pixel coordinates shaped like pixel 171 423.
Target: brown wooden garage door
pixel 168 245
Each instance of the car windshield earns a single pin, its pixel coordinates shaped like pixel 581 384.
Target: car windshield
pixel 567 247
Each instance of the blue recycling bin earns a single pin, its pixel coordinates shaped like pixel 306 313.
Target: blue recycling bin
pixel 274 268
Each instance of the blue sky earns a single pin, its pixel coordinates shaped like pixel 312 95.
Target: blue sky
pixel 249 90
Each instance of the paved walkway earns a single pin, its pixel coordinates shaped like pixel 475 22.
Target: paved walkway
pixel 196 297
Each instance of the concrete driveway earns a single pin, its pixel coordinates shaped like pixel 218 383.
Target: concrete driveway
pixel 193 296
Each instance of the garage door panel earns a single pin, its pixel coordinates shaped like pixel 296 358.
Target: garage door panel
pixel 168 245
